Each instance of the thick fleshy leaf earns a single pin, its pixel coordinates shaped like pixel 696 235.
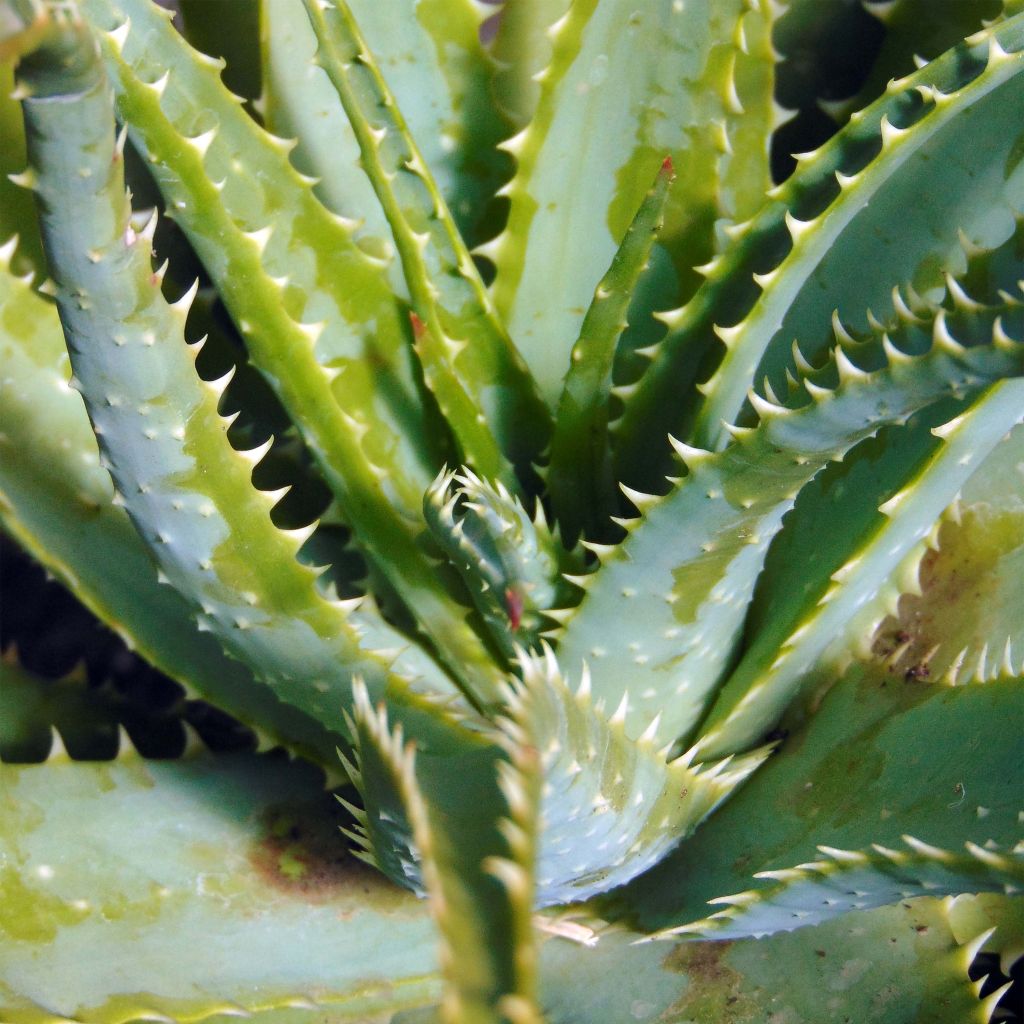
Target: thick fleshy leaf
pixel 682 594
pixel 882 757
pixel 845 880
pixel 512 563
pixel 318 315
pixel 212 884
pixel 57 501
pixel 828 240
pixel 434 62
pixel 897 965
pixel 611 806
pixel 866 587
pixel 471 825
pixel 627 86
pixel 188 491
pixel 479 380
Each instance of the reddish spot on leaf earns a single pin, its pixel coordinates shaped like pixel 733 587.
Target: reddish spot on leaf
pixel 419 328
pixel 514 605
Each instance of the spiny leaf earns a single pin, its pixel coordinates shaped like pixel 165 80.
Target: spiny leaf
pixel 971 916
pixel 963 622
pixel 683 593
pixel 864 589
pixel 832 973
pixel 580 471
pixel 318 316
pixel 659 78
pixel 878 757
pixel 17 212
pixel 57 501
pixel 611 807
pixel 187 490
pixel 481 384
pixel 433 60
pixel 521 51
pixel 512 564
pixel 820 245
pixel 844 880
pixel 474 861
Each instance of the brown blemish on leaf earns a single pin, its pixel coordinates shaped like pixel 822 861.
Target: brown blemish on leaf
pixel 714 990
pixel 303 854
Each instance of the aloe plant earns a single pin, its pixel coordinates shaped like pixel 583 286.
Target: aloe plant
pixel 631 542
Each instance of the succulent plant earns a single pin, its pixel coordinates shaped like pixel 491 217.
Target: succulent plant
pixel 613 528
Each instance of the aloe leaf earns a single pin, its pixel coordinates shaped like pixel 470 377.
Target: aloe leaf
pixel 834 513
pixel 812 546
pixel 882 757
pixel 211 884
pixel 971 915
pixel 771 672
pixel 522 50
pixel 474 834
pixel 480 383
pixel 280 891
pixel 40 717
pixel 626 86
pixel 580 474
pixel 962 622
pixel 187 490
pixel 57 502
pixel 844 880
pixel 432 59
pixel 317 314
pixel 801 978
pixel 916 32
pixel 512 563
pixel 611 806
pixel 228 29
pixel 686 591
pixel 901 161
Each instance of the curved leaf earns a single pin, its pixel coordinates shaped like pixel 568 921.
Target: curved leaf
pixel 881 201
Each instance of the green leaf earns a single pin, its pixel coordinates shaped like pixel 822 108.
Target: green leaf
pixel 774 671
pixel 432 59
pixel 845 880
pixel 886 196
pixel 682 594
pixel 580 472
pixel 188 491
pixel 318 315
pixel 882 757
pixel 890 966
pixel 610 806
pixel 512 563
pixel 521 51
pixel 472 825
pixel 209 885
pixel 57 502
pixel 963 622
pixel 626 86
pixel 481 385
